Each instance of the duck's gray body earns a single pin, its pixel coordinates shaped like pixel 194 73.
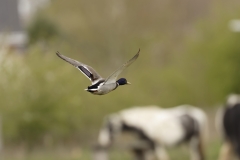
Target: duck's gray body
pixel 103 89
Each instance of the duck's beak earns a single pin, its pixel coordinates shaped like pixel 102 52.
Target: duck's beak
pixel 128 83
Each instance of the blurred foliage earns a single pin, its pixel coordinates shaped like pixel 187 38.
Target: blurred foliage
pixel 42 29
pixel 188 55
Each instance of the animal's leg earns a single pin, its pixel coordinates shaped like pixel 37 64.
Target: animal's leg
pixel 105 140
pixel 226 152
pixel 161 153
pixel 149 155
pixel 196 148
pixel 100 154
pixel 143 154
pixel 139 154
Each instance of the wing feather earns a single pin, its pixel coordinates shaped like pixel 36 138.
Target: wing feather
pixel 113 77
pixel 88 71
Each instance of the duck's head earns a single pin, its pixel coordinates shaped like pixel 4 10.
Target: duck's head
pixel 122 81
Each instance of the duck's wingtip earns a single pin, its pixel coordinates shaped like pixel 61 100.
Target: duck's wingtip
pixel 138 51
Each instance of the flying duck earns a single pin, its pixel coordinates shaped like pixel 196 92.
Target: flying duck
pixel 100 86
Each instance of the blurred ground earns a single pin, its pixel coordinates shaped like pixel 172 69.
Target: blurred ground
pixel 84 152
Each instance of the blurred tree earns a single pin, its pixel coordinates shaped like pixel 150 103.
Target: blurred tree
pixel 42 29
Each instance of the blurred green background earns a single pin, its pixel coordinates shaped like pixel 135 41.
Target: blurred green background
pixel 188 55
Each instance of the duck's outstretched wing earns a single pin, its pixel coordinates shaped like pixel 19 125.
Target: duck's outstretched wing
pixel 113 77
pixel 88 71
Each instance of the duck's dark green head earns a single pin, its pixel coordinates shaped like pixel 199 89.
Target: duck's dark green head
pixel 122 81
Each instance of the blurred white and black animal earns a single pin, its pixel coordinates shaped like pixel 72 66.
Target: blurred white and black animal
pixel 154 129
pixel 228 124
